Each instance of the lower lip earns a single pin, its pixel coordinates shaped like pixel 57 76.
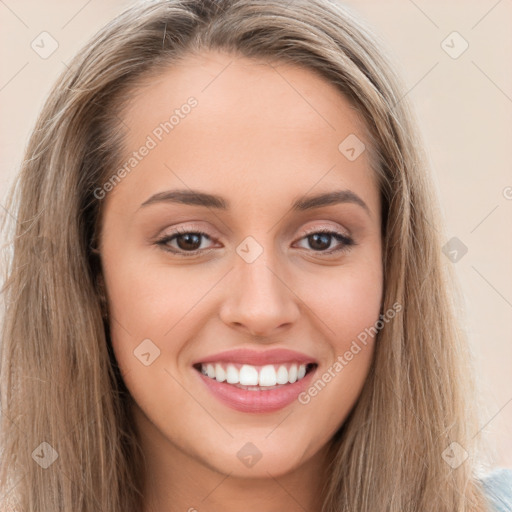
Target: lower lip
pixel 257 401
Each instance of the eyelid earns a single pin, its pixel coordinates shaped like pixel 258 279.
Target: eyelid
pixel 343 238
pixel 308 231
pixel 163 239
pixel 180 230
pixel 325 229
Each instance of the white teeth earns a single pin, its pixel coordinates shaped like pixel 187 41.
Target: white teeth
pixel 220 374
pixel 268 376
pixel 248 375
pixel 210 371
pixel 282 375
pixel 232 375
pixel 264 376
pixel 292 374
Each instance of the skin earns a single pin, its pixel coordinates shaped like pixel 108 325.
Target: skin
pixel 261 136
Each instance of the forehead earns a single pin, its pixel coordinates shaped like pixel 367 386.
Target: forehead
pixel 236 90
pixel 255 125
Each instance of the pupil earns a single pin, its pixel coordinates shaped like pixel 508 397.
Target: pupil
pixel 324 238
pixel 191 239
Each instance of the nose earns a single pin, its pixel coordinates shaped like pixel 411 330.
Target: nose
pixel 260 300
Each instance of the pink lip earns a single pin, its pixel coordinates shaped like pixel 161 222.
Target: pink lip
pixel 257 401
pixel 255 358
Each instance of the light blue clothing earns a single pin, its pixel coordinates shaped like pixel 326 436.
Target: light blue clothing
pixel 498 489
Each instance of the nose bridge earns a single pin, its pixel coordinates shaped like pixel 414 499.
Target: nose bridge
pixel 258 297
pixel 256 278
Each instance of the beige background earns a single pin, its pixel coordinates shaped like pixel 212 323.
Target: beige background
pixel 464 106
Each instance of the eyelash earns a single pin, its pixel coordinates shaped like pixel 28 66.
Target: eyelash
pixel 347 242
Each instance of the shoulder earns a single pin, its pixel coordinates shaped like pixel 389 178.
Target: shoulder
pixel 498 489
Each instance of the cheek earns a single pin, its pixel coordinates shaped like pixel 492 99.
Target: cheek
pixel 149 299
pixel 152 314
pixel 347 300
pixel 158 310
pixel 348 306
pixel 348 309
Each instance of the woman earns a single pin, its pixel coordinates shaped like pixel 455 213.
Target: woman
pixel 227 287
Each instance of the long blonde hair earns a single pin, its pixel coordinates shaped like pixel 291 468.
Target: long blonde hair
pixel 60 384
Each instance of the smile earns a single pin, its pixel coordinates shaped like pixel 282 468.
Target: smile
pixel 256 378
pixel 256 381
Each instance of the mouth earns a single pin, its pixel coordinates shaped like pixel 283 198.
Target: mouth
pixel 255 381
pixel 256 378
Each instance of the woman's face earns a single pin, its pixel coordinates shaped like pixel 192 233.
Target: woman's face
pixel 242 286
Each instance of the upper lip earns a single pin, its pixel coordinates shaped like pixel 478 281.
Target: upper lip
pixel 258 358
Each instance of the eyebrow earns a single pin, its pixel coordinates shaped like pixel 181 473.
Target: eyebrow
pixel 198 198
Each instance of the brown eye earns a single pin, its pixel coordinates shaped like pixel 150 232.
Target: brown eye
pixel 189 241
pixel 321 240
pixel 184 243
